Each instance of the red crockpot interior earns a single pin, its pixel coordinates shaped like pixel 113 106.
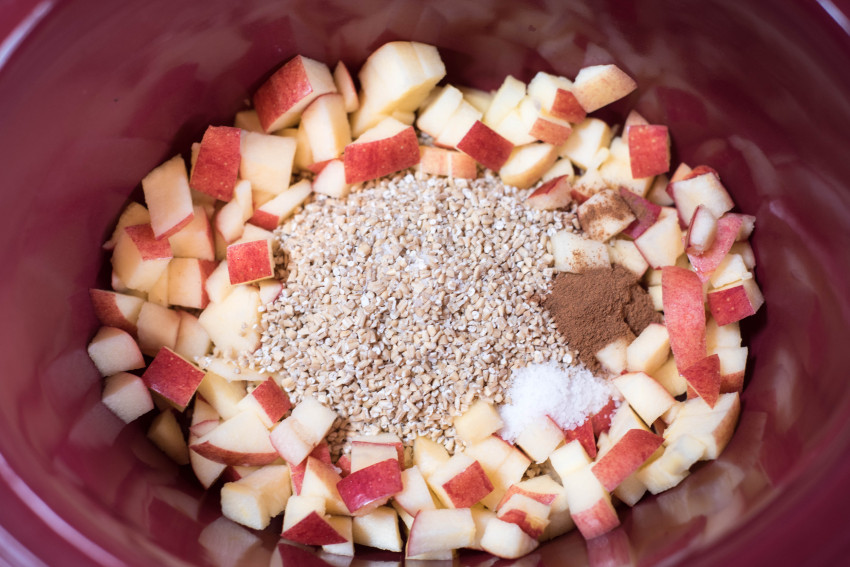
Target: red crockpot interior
pixel 93 94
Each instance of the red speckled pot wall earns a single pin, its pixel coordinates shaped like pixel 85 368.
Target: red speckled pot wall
pixel 93 94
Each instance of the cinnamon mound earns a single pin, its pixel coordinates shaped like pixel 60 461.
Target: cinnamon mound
pixel 597 307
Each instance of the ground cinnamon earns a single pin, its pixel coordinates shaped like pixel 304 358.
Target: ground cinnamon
pixel 598 306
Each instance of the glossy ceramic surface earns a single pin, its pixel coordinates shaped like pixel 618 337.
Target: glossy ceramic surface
pixel 93 94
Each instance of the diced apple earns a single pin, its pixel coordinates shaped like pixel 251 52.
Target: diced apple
pixel 134 213
pixel 506 540
pixel 187 278
pixel 223 395
pixel 440 530
pixel 378 529
pixel 345 86
pixel 735 301
pixel 554 94
pixel 342 553
pixel 139 259
pixel 249 262
pixel 503 464
pixel 195 240
pixel 166 434
pixel 435 115
pixel 267 161
pixel 711 426
pixel 614 356
pixel 646 213
pixel 727 229
pixel 507 97
pixel 127 396
pixel 415 494
pixel 270 214
pixel 704 189
pixel 217 167
pixel 366 489
pixel 478 422
pixel 326 123
pixel 701 231
pixel 459 124
pixel 460 482
pixel 583 433
pixel 173 377
pixel 661 244
pixel 704 377
pixel 397 76
pixel 624 252
pixel 231 322
pixel 485 146
pixel 118 310
pixel 649 150
pixel 529 513
pixel 321 479
pixel 599 85
pixel 562 166
pixel 297 471
pixel 268 401
pixel 388 147
pixel 645 395
pixel 168 198
pixel 247 120
pixel 331 180
pixel 255 499
pixel 114 350
pixel 305 522
pixel 585 141
pixel 590 503
pixel 282 98
pixel 684 313
pixel 447 163
pixel 552 194
pixel 576 254
pixel 240 440
pixel 668 376
pixel 540 438
pixel 731 269
pixel 428 455
pixel 527 164
pixel 297 435
pixel 625 456
pixel 649 350
pixel 604 215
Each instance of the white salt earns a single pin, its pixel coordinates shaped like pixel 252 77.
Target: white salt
pixel 567 395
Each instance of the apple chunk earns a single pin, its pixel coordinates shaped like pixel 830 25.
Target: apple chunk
pixel 366 489
pixel 139 259
pixel 440 530
pixel 625 457
pixel 460 482
pixel 684 312
pixel 248 262
pixel 168 197
pixel 172 376
pixel 649 150
pixel 283 97
pixel 113 350
pixel 241 440
pixel 217 167
pixel 735 301
pixel 256 498
pixel 388 147
pixel 127 396
pixel 600 85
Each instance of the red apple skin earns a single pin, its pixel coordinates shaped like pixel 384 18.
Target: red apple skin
pixel 372 484
pixel 217 166
pixel 273 400
pixel 597 520
pixel 730 305
pixel 549 131
pixel 370 160
pixel 601 420
pixel 146 243
pixel 541 497
pixel 172 376
pixel 321 452
pixel 264 219
pixel 106 309
pixel 344 464
pixel 584 434
pixel 704 378
pixel 649 150
pixel 249 261
pixel 625 457
pixel 468 487
pixel 485 146
pixel 553 194
pixel 284 89
pixel 313 530
pixel 646 213
pixel 529 524
pixel 728 228
pixel 684 314
pixel 233 458
pixel 567 107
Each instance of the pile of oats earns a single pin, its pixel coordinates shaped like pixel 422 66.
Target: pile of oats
pixel 409 299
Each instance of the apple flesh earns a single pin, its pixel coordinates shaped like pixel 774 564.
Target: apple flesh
pixel 551 195
pixel 242 440
pixel 440 530
pixel 168 197
pixel 139 259
pixel 460 482
pixel 127 396
pixel 255 499
pixel 599 85
pixel 114 350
